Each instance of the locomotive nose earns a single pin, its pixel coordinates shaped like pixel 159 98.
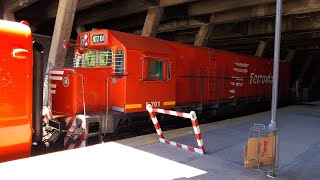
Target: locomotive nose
pixel 78 90
pixel 57 81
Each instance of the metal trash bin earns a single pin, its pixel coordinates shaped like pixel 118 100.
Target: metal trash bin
pixel 262 151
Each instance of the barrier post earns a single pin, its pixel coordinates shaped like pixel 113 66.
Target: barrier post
pixel 192 116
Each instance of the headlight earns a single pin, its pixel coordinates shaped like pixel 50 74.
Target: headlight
pixel 65 82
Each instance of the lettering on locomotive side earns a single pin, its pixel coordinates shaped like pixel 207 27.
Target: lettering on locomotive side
pixel 260 79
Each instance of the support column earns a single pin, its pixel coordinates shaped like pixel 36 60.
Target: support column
pixel 62 31
pixel 204 33
pixel 275 79
pixel 6 14
pixel 290 55
pixel 262 46
pixel 152 21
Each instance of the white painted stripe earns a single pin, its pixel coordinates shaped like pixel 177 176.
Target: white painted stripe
pixel 160 111
pixel 74 123
pixel 237 78
pixel 58 78
pixel 200 142
pixel 52 91
pixel 173 143
pixel 162 140
pixel 173 113
pixel 231 97
pixel 184 146
pixel 83 144
pixel 67 120
pixel 196 130
pixel 154 120
pixel 119 109
pixel 232 91
pixel 159 132
pixel 236 84
pixel 56 72
pixel 187 115
pixel 71 146
pixel 71 129
pixel 52 85
pixel 198 151
pixel 240 70
pixel 241 64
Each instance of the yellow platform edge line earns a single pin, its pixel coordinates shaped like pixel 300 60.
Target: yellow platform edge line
pixel 133 106
pixel 169 103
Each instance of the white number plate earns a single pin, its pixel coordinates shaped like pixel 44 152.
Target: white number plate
pixel 154 103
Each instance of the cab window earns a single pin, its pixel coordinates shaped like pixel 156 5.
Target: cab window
pixel 90 58
pixel 155 70
pixel 105 57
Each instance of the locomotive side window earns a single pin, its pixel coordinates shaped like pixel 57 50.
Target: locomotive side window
pixel 155 70
pixel 119 62
pixel 105 57
pixel 90 58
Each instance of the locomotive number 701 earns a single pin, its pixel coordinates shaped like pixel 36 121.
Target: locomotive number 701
pixel 154 103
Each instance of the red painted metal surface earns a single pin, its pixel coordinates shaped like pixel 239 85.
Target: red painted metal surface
pixel 220 75
pixel 16 58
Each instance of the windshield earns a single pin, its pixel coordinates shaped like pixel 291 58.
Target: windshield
pixel 93 58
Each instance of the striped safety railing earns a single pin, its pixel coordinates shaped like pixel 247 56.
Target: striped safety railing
pixel 192 115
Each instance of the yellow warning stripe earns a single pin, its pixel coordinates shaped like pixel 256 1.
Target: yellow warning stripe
pixel 169 103
pixel 133 106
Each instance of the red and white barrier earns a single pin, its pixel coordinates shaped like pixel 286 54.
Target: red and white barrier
pixel 47 114
pixel 192 115
pixel 75 127
pixel 76 136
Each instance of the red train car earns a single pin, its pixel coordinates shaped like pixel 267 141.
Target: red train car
pixel 15 91
pixel 115 74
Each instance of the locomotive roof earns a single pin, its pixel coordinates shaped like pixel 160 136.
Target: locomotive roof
pixel 141 43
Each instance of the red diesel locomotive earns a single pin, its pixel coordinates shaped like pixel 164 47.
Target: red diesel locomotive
pixel 116 74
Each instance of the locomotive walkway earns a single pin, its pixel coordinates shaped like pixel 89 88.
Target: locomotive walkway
pixel 144 157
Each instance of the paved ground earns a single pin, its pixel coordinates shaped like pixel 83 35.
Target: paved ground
pixel 144 158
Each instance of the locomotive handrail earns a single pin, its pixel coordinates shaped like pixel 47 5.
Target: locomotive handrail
pixel 83 97
pixel 107 94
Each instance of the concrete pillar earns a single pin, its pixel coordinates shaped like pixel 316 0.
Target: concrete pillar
pixel 6 14
pixel 261 48
pixel 152 21
pixel 62 31
pixel 204 33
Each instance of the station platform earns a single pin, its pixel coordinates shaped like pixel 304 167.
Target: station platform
pixel 144 157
